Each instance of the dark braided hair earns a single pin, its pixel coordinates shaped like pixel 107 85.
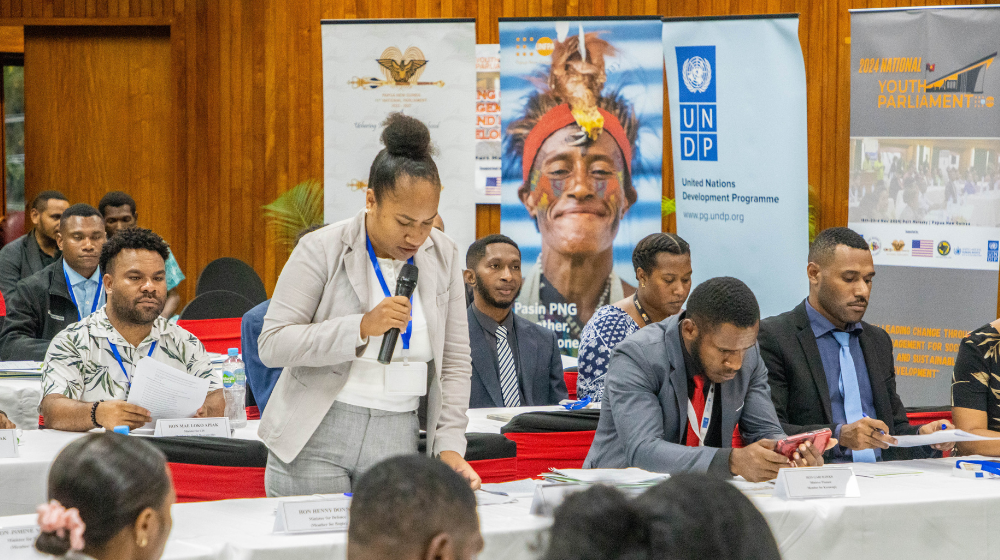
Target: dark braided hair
pixel 645 252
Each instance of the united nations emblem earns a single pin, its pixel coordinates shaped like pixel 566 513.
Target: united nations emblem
pixel 697 74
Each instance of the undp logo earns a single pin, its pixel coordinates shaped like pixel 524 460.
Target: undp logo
pixel 697 73
pixel 699 132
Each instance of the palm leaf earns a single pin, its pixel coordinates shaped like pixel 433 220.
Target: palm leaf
pixel 295 210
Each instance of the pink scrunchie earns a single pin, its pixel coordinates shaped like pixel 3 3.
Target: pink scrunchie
pixel 54 518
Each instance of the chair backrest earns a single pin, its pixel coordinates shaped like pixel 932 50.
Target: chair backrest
pixel 12 226
pixel 232 275
pixel 218 335
pixel 217 304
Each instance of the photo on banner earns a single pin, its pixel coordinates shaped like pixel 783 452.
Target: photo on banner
pixel 582 140
pixel 424 69
pixel 924 183
pixel 740 151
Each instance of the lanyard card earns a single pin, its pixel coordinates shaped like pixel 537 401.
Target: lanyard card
pixel 406 378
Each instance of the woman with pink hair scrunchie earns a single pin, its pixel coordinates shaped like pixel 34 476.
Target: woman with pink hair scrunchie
pixel 109 499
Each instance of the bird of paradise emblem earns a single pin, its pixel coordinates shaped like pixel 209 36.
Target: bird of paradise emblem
pixel 399 69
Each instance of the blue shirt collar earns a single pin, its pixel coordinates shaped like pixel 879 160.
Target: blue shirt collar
pixel 75 278
pixel 821 325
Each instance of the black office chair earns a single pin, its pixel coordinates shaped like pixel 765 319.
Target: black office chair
pixel 217 304
pixel 231 275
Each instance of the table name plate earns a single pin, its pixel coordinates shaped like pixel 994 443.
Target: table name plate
pixel 214 427
pixel 18 543
pixel 816 482
pixel 8 444
pixel 325 515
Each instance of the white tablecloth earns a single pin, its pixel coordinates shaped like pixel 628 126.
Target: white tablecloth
pixel 23 481
pixel 19 398
pixel 927 516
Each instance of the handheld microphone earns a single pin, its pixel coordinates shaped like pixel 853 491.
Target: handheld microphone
pixel 405 285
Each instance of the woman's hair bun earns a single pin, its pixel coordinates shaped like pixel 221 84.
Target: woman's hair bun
pixel 51 543
pixel 406 136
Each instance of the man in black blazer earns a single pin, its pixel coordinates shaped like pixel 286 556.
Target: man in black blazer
pixel 514 361
pixel 807 350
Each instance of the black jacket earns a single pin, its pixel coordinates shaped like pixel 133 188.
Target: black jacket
pixel 540 373
pixel 39 308
pixel 19 260
pixel 798 381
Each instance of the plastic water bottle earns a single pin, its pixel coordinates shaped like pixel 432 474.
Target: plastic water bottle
pixel 234 382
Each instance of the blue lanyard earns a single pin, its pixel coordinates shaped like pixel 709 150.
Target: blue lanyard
pixel 72 296
pixel 114 350
pixel 385 290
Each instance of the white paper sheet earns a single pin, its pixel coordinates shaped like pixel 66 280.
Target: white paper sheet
pixel 21 366
pixel 166 392
pixel 941 436
pixel 631 475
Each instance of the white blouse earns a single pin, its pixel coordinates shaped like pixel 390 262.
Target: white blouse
pixel 365 385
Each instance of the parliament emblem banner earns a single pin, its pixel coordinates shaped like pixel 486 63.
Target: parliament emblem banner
pixel 737 91
pixel 924 183
pixel 582 134
pixel 423 68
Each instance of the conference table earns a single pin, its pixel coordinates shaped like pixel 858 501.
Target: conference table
pixel 914 510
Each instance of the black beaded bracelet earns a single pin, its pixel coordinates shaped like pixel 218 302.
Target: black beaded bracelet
pixel 93 414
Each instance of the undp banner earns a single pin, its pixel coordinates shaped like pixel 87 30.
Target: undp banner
pixel 582 133
pixel 737 95
pixel 423 68
pixel 924 184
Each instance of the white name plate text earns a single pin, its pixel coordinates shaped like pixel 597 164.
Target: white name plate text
pixel 816 482
pixel 214 427
pixel 325 515
pixel 8 444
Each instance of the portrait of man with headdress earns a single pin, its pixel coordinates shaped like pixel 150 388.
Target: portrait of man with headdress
pixel 576 143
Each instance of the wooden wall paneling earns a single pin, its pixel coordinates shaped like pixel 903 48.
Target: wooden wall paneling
pixel 100 101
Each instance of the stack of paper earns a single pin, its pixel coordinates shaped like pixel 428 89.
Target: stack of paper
pixel 616 477
pixel 10 370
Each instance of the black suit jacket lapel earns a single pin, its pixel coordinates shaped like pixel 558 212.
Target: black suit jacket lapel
pixel 527 350
pixel 483 360
pixel 807 340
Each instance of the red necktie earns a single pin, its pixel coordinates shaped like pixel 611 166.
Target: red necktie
pixel 698 402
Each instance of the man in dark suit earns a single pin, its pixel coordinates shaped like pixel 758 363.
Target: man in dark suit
pixel 36 249
pixel 676 390
pixel 60 294
pixel 514 361
pixel 809 349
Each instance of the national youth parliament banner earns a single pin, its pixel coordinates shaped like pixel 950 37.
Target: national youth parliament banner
pixel 583 139
pixel 423 68
pixel 737 90
pixel 924 185
pixel 488 160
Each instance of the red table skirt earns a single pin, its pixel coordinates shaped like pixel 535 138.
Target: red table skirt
pixel 921 418
pixel 496 470
pixel 537 452
pixel 200 483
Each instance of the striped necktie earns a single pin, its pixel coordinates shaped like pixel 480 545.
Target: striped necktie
pixel 508 373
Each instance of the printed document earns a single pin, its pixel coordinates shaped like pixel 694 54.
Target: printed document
pixel 940 436
pixel 166 392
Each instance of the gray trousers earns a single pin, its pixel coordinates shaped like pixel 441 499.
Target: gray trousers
pixel 349 441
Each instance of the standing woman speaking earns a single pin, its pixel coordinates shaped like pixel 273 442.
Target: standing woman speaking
pixel 336 411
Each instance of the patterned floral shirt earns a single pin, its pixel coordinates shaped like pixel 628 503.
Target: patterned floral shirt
pixel 80 364
pixel 976 377
pixel 174 274
pixel 608 327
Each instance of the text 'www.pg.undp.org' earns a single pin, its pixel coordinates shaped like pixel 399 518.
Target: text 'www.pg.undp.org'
pixel 714 217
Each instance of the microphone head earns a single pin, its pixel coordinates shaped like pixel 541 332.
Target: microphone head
pixel 407 280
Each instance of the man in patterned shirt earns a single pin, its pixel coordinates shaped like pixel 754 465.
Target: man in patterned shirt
pixel 88 366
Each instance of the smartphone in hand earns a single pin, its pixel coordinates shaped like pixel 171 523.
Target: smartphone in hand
pixel 790 445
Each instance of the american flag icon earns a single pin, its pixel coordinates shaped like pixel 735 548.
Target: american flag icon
pixel 493 186
pixel 923 248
